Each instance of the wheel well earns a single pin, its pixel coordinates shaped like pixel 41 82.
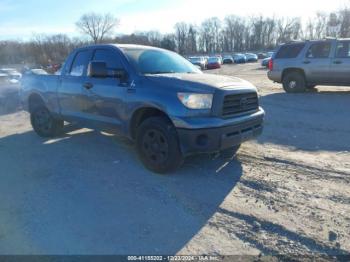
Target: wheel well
pixel 34 100
pixel 290 70
pixel 141 115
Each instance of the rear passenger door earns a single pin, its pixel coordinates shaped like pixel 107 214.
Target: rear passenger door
pixel 341 63
pixel 70 90
pixel 317 62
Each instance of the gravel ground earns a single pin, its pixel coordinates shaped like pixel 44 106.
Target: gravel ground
pixel 288 192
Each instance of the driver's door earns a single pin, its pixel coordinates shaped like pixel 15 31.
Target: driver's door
pixel 104 98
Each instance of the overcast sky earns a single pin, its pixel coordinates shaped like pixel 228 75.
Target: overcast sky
pixel 20 19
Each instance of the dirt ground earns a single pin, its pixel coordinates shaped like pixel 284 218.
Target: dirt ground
pixel 288 192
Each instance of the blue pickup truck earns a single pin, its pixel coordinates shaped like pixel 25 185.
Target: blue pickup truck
pixel 153 96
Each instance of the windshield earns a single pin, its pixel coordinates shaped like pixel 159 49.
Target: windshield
pixel 213 59
pixel 195 59
pixel 155 61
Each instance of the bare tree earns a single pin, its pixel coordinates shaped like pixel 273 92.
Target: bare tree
pixel 97 26
pixel 192 39
pixel 181 34
pixel 288 29
pixel 154 37
pixel 344 15
pixel 211 35
pixel 169 42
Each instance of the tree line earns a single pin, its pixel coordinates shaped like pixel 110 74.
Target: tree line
pixel 231 34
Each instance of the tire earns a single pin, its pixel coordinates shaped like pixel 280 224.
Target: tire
pixel 158 146
pixel 229 153
pixel 44 124
pixel 294 82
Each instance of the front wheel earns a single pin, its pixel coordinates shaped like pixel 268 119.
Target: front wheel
pixel 158 145
pixel 44 124
pixel 294 82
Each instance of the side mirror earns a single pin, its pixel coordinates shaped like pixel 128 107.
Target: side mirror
pixel 97 69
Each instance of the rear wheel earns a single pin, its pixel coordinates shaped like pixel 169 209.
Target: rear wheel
pixel 158 146
pixel 294 82
pixel 44 124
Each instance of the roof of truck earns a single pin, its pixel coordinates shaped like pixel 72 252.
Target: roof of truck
pixel 121 46
pixel 317 40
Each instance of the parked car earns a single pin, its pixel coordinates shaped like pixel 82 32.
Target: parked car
pixel 36 71
pixel 262 55
pixel 214 62
pixel 239 58
pixel 199 61
pixel 251 57
pixel 228 59
pixel 8 81
pixel 219 57
pixel 4 78
pixel 270 53
pixel 150 95
pixel 265 62
pixel 53 68
pixel 303 65
pixel 12 73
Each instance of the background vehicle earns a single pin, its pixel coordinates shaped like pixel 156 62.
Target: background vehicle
pixel 214 62
pixel 153 96
pixel 4 78
pixel 9 90
pixel 12 73
pixel 239 58
pixel 220 59
pixel 37 71
pixel 199 61
pixel 265 62
pixel 228 59
pixel 262 55
pixel 251 57
pixel 303 65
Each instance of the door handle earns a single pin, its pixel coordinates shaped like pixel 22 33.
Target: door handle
pixel 88 85
pixel 337 62
pixel 306 62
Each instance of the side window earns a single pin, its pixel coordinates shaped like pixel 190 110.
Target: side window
pixel 111 58
pixel 343 50
pixel 290 50
pixel 80 63
pixel 319 50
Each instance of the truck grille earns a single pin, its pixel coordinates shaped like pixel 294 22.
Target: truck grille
pixel 239 103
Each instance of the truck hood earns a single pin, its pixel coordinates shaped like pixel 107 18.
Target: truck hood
pixel 208 82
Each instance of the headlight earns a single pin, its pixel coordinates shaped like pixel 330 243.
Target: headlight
pixel 196 101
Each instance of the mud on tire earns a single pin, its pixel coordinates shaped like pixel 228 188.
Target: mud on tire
pixel 44 123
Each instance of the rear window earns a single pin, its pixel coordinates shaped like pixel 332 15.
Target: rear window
pixel 290 50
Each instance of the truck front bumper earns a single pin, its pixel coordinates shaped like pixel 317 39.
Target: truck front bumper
pixel 232 132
